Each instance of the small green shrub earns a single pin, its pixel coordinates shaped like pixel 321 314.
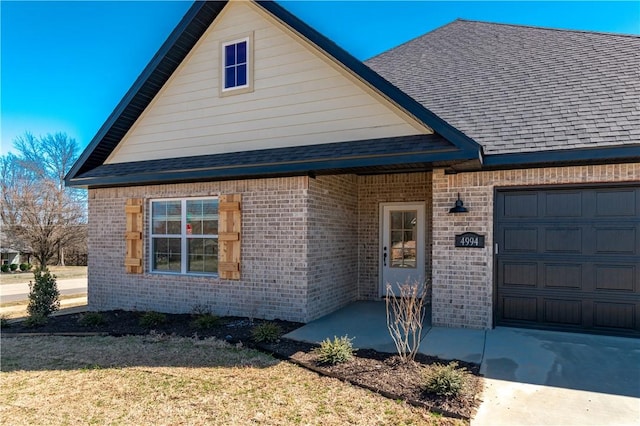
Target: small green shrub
pixel 266 332
pixel 205 321
pixel 446 380
pixel 4 322
pixel 91 319
pixel 4 268
pixel 36 320
pixel 25 267
pixel 152 319
pixel 335 352
pixel 44 298
pixel 13 267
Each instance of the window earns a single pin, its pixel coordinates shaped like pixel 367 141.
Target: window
pixel 235 64
pixel 184 236
pixel 403 238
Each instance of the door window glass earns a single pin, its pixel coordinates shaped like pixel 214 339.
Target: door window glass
pixel 403 238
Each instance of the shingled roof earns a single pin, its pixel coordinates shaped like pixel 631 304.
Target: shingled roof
pixel 517 89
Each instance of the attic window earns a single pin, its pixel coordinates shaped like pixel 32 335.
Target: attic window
pixel 236 65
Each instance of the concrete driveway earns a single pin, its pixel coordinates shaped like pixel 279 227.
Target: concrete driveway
pixel 532 377
pixel 541 377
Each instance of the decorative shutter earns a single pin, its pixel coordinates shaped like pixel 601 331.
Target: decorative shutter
pixel 229 228
pixel 133 236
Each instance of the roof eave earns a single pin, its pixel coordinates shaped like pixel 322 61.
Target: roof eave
pixel 259 171
pixel 618 153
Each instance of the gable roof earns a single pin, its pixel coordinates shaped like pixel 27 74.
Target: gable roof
pixel 190 29
pixel 519 89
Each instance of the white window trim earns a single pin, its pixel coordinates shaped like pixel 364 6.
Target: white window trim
pixel 237 89
pixel 183 237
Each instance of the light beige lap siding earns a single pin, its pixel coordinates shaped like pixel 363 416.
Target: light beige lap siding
pixel 299 97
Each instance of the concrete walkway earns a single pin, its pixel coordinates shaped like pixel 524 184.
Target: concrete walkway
pixel 532 377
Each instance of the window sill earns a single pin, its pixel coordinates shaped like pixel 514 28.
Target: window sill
pixel 238 91
pixel 189 274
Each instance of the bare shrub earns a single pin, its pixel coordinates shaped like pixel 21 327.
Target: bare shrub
pixel 405 313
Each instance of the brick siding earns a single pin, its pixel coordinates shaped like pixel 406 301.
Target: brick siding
pixel 332 243
pixel 376 189
pixel 274 253
pixel 310 246
pixel 463 278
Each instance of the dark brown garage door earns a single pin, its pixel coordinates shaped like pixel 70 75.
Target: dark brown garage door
pixel 569 259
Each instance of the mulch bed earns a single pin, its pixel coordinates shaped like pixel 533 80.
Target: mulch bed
pixel 382 373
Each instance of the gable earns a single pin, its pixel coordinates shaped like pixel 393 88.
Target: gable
pixel 300 97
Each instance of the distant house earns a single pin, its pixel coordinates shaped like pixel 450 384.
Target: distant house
pixel 9 256
pixel 257 168
pixel 13 252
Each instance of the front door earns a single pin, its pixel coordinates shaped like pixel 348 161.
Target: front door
pixel 402 244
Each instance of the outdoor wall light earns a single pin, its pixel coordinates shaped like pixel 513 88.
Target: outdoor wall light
pixel 459 207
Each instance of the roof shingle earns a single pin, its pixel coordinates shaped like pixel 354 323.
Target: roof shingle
pixel 523 89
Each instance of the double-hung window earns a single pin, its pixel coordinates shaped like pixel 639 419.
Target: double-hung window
pixel 184 235
pixel 236 65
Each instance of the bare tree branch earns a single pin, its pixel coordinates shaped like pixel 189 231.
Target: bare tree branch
pixel 37 209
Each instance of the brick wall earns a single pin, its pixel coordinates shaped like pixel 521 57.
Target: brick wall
pixel 333 243
pixel 373 190
pixel 309 246
pixel 463 278
pixel 274 253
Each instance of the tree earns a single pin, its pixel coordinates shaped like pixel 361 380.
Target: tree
pixel 37 209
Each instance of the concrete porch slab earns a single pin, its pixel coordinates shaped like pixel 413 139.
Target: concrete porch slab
pixel 366 323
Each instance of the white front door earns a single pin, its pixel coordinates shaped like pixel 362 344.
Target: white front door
pixel 402 244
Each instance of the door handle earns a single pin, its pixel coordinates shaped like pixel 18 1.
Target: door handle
pixel 384 257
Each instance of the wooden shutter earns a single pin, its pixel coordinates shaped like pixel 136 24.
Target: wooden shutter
pixel 229 229
pixel 133 236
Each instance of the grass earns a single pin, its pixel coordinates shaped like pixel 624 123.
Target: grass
pixel 168 380
pixel 61 273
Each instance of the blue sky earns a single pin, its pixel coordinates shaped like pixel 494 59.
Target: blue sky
pixel 66 65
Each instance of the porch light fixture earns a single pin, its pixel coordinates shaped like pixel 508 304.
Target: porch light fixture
pixel 459 207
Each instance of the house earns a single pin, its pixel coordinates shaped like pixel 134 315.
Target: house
pixel 13 251
pixel 256 168
pixel 9 256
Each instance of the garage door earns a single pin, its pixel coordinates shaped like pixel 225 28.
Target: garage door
pixel 569 259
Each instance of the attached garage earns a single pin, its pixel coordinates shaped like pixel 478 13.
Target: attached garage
pixel 568 258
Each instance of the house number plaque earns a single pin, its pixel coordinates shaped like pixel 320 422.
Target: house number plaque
pixel 470 239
